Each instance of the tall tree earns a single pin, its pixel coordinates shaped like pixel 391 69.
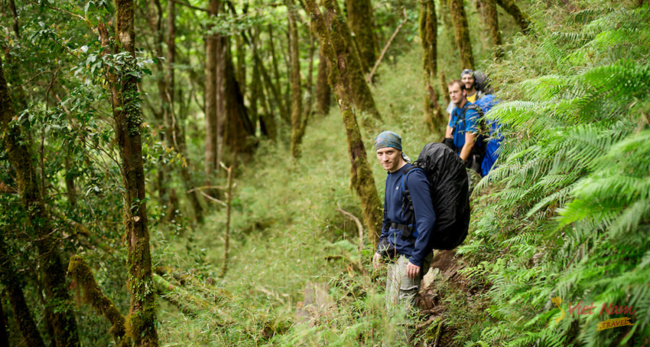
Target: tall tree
pixel 53 271
pixel 428 36
pixel 459 18
pixel 176 134
pixel 323 89
pixel 335 44
pixel 127 115
pixel 155 24
pixel 491 19
pixel 13 285
pixel 360 93
pixel 297 131
pixel 522 19
pixel 361 22
pixel 238 128
pixel 211 50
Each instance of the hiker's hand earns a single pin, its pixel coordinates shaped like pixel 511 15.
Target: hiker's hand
pixel 412 271
pixel 376 260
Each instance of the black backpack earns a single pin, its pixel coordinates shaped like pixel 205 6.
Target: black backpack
pixel 449 189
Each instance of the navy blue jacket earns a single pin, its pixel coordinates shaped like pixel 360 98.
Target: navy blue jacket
pixel 425 217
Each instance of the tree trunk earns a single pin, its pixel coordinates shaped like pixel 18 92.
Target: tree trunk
pixel 361 178
pixel 223 57
pixel 22 314
pixel 284 108
pixel 93 296
pixel 155 24
pixel 309 102
pixel 323 89
pixel 211 97
pixel 362 27
pixel 128 118
pixel 54 284
pixel 176 137
pixel 255 87
pixel 238 127
pixel 428 36
pixel 70 189
pixel 491 19
pixel 296 89
pixel 522 19
pixel 241 63
pixel 360 93
pixel 459 18
pixel 4 334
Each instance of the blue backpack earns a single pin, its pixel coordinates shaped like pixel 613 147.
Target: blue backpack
pixel 492 146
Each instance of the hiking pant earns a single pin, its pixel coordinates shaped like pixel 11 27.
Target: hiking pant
pixel 400 289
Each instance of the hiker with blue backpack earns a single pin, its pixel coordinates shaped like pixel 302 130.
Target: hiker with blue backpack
pixel 480 98
pixel 463 128
pixel 426 207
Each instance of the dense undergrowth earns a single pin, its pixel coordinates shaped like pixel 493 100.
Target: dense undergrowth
pixel 565 214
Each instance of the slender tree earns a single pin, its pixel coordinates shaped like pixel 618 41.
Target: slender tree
pixel 296 92
pixel 335 45
pixel 360 93
pixel 491 19
pixel 211 48
pixel 53 271
pixel 459 18
pixel 141 322
pixel 323 89
pixel 361 22
pixel 176 136
pixel 13 285
pixel 428 36
pixel 4 334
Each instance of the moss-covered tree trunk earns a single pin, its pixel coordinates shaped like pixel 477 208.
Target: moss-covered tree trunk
pixel 323 89
pixel 92 295
pixel 522 19
pixel 296 89
pixel 53 271
pixel 22 314
pixel 211 95
pixel 428 36
pixel 360 93
pixel 141 323
pixel 491 19
pixel 459 18
pixel 329 28
pixel 362 25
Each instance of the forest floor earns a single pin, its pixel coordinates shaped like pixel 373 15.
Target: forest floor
pixel 296 275
pixel 293 275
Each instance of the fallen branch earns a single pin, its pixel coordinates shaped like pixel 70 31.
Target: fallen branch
pixel 383 52
pixel 359 226
pixel 93 296
pixel 187 303
pixel 212 198
pixel 206 288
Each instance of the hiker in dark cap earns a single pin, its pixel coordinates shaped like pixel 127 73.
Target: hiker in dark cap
pixel 472 90
pixel 403 245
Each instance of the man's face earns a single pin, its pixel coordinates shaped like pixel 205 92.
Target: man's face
pixel 389 158
pixel 468 80
pixel 456 94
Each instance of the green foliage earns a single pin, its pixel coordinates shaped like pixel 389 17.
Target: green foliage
pixel 566 212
